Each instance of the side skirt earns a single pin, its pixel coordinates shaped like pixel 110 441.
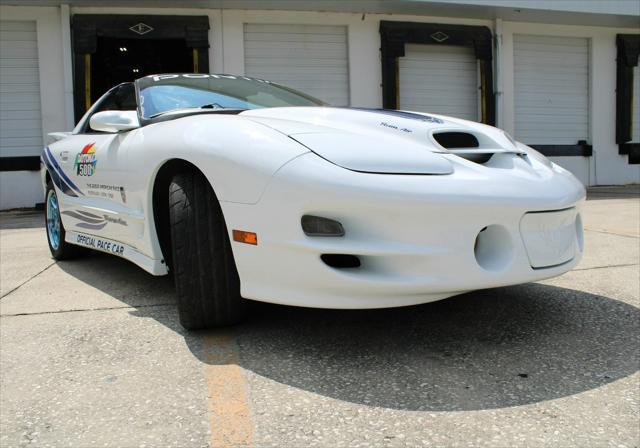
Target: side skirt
pixel 152 266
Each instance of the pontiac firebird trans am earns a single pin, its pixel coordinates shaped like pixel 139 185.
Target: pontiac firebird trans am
pixel 243 188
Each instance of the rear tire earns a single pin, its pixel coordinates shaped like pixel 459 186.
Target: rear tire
pixel 206 278
pixel 60 249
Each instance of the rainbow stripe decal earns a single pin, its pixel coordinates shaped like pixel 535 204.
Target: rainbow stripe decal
pixel 85 163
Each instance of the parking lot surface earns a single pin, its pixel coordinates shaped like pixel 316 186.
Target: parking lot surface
pixel 92 354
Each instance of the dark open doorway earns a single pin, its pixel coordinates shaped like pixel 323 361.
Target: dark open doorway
pixel 111 49
pixel 120 60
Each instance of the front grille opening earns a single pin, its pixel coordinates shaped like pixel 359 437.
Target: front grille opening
pixel 454 140
pixel 340 261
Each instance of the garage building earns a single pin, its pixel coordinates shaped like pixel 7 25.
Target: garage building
pixel 561 76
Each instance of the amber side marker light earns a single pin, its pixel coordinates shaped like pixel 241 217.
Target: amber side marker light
pixel 245 237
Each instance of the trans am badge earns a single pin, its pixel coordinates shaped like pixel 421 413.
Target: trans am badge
pixel 85 163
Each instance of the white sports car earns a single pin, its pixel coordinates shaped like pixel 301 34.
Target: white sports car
pixel 243 188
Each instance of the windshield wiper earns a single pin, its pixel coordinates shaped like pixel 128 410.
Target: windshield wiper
pixel 214 106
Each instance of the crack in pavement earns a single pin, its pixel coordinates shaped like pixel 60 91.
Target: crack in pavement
pixel 608 266
pixel 611 233
pixel 26 281
pixel 133 307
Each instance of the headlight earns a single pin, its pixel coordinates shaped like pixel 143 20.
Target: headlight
pixel 319 226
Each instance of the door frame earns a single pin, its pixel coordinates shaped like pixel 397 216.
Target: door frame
pixel 85 29
pixel 394 36
pixel 628 51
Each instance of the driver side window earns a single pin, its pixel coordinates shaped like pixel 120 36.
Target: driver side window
pixel 121 98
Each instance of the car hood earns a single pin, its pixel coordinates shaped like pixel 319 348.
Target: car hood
pixel 374 140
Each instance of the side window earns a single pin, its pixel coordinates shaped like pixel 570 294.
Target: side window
pixel 122 98
pixel 125 98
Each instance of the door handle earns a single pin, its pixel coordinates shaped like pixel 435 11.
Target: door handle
pixel 64 156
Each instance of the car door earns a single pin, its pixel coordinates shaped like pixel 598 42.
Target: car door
pixel 95 164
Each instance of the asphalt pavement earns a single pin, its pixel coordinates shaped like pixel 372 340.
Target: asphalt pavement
pixel 92 354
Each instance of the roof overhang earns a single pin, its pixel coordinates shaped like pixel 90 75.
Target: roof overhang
pixel 621 13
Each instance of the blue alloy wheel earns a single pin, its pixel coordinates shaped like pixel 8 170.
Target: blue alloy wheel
pixel 53 220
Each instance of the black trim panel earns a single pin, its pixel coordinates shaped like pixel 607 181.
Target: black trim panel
pixel 394 36
pixel 633 150
pixel 24 163
pixel 627 58
pixel 87 27
pixel 582 149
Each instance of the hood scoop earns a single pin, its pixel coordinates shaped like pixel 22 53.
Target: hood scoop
pixel 385 141
pixel 466 145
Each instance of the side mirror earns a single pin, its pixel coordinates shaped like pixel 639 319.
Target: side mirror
pixel 114 121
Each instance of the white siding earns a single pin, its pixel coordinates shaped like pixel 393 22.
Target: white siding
pixel 551 82
pixel 20 189
pixel 311 58
pixel 635 123
pixel 20 116
pixel 441 79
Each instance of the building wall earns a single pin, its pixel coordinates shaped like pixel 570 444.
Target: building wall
pixel 606 166
pixel 226 55
pixel 22 188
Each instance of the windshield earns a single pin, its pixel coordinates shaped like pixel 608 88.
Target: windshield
pixel 162 93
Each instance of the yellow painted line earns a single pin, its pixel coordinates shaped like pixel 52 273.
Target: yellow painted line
pixel 227 404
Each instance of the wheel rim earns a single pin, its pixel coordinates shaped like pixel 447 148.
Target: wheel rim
pixel 53 220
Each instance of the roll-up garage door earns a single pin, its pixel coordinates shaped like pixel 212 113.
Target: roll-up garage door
pixel 20 120
pixel 551 82
pixel 309 58
pixel 441 79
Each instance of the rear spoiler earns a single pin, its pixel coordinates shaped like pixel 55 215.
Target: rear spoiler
pixel 57 136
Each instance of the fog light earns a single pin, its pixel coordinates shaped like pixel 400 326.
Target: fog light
pixel 318 226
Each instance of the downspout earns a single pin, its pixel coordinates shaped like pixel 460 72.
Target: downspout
pixel 498 72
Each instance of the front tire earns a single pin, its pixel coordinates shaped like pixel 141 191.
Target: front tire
pixel 206 278
pixel 60 249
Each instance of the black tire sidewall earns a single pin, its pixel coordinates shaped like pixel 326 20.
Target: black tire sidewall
pixel 207 282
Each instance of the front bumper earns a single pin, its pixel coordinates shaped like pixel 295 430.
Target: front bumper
pixel 417 236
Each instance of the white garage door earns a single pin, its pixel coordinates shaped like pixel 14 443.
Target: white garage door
pixel 309 58
pixel 635 122
pixel 441 79
pixel 20 121
pixel 551 82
